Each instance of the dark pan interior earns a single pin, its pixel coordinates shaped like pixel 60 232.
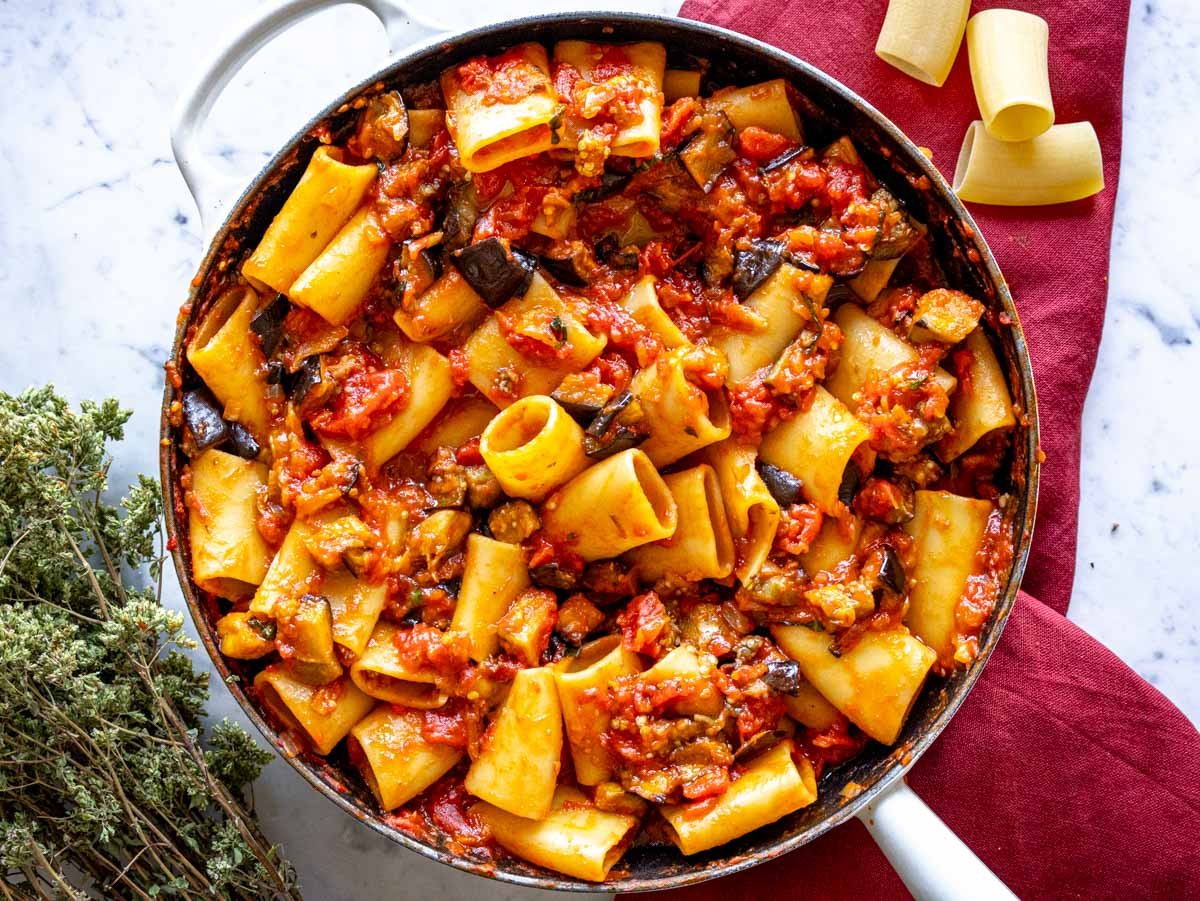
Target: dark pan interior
pixel 831 110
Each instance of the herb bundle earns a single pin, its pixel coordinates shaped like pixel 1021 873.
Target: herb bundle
pixel 105 787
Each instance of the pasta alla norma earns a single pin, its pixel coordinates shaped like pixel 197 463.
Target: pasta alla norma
pixel 585 445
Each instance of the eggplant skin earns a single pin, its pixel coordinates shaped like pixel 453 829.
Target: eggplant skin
pixel 709 150
pixel 753 266
pixel 495 270
pixel 622 439
pixel 267 323
pixel 305 379
pixel 204 420
pixel 784 487
pixel 242 442
pixel 610 183
pixel 891 573
pixel 783 676
pixel 851 480
pixel 566 270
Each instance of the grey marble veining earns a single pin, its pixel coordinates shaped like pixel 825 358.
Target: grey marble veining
pixel 99 238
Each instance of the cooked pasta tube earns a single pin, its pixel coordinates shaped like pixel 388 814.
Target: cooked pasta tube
pixel 491 127
pixel 1058 166
pixel 763 105
pixel 450 302
pixel 324 714
pixel 834 545
pixel 808 707
pixel 574 838
pixel 642 67
pixel 680 83
pixel 383 672
pixel 982 404
pixel 336 283
pixel 777 303
pixel 355 605
pixel 617 504
pixel 532 447
pixel 459 421
pixel 775 783
pixel 517 767
pixel 752 512
pixel 642 304
pixel 229 556
pixel 921 37
pixel 869 283
pixel 687 665
pixel 874 684
pixel 322 202
pixel 870 348
pixel 1009 53
pixel 230 361
pixel 293 573
pixel 493 576
pixel 679 408
pixel 397 762
pixel 702 547
pixel 430 385
pixel 815 445
pixel 948 530
pixel 581 682
pixel 502 373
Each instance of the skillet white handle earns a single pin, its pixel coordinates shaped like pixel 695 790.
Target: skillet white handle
pixel 213 190
pixel 933 862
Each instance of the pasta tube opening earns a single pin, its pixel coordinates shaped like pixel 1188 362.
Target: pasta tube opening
pixel 1009 53
pixel 533 447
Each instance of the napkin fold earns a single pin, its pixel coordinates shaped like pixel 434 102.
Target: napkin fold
pixel 1069 775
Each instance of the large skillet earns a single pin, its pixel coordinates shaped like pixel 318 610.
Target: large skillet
pixel 932 861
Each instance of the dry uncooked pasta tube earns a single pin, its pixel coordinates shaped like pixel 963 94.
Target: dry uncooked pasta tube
pixel 1009 53
pixel 1061 165
pixel 921 37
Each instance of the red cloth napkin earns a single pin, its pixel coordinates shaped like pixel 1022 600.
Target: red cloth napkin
pixel 1069 775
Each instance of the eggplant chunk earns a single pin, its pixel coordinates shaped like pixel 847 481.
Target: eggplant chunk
pixel 621 439
pixel 268 324
pixel 383 128
pixel 709 150
pixel 784 486
pixel 306 380
pixel 784 676
pixel 568 270
pixel 582 397
pixel 243 442
pixel 851 479
pixel 608 413
pixel 611 252
pixel 891 572
pixel 897 232
pixel 421 269
pixel 551 575
pixel 754 266
pixel 945 315
pixel 610 183
pixel 462 210
pixel 494 269
pixel 204 419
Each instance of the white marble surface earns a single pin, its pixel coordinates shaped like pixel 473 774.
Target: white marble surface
pixel 98 239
